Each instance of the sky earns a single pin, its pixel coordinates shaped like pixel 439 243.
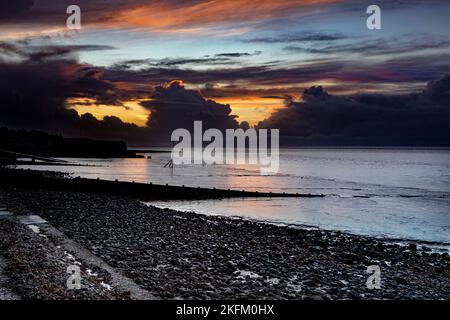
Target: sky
pixel 149 66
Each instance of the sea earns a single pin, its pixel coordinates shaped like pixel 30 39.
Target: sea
pixel 396 193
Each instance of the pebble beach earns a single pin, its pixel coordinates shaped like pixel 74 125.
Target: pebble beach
pixel 184 255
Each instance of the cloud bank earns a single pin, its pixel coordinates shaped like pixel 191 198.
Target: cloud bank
pixel 421 119
pixel 40 101
pixel 36 84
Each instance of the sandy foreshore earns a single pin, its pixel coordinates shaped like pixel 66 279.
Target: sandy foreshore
pixel 185 255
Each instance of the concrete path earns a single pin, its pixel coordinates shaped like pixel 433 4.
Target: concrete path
pixel 39 225
pixel 5 294
pixel 117 279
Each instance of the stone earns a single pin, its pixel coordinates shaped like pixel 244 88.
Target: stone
pixel 401 280
pixel 5 214
pixel 33 219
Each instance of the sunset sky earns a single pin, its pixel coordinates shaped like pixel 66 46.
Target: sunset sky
pixel 256 56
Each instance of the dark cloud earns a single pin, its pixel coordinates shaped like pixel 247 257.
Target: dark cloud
pixel 367 119
pixel 257 75
pixel 398 71
pixel 307 36
pixel 439 91
pixel 174 62
pixel 34 93
pixel 417 68
pixel 381 46
pixel 356 5
pixel 53 12
pixel 173 106
pixel 9 49
pixel 40 53
pixel 216 60
pixel 37 53
pixel 238 54
pixel 276 80
pixel 11 9
pixel 39 102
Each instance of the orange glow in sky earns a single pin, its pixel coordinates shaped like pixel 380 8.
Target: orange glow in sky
pixel 252 109
pixel 132 111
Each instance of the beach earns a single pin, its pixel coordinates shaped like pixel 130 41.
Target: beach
pixel 184 255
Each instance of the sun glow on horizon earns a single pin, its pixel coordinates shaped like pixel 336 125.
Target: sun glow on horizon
pixel 252 109
pixel 131 111
pixel 249 109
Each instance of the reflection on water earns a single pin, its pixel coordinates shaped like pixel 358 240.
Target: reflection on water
pixel 399 218
pixel 399 193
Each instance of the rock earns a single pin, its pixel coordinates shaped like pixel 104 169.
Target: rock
pixel 315 249
pixel 401 280
pixel 242 265
pixel 348 256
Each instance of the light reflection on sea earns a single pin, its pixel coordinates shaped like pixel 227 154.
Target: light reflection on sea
pixel 398 193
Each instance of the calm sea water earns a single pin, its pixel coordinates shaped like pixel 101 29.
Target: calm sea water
pixel 396 193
